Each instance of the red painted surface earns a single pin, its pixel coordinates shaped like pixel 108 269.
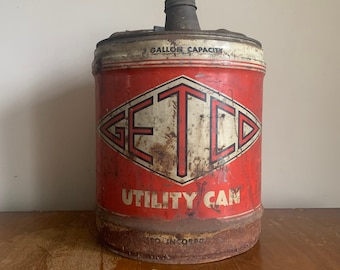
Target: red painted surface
pixel 153 194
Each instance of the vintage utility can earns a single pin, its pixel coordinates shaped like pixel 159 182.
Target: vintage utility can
pixel 179 121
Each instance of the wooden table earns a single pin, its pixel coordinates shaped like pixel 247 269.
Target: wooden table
pixel 291 239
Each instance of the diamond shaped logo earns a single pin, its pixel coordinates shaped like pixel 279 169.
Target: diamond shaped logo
pixel 180 130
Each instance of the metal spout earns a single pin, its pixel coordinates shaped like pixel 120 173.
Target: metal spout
pixel 181 15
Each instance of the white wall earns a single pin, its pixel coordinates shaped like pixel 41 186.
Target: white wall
pixel 47 126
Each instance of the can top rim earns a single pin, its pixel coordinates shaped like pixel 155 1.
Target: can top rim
pixel 159 32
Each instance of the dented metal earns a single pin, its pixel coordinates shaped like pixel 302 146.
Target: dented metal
pixel 179 122
pixel 179 241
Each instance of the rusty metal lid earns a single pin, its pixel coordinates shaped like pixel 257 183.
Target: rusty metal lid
pixel 181 22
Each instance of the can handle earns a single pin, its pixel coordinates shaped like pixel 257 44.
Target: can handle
pixel 181 15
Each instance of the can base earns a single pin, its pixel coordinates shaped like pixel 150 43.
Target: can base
pixel 188 241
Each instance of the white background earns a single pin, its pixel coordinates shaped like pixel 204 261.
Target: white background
pixel 47 126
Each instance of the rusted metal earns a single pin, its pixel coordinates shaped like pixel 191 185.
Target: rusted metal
pixel 179 241
pixel 179 116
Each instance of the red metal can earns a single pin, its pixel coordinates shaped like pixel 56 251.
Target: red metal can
pixel 179 144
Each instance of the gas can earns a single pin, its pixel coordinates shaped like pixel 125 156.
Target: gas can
pixel 179 121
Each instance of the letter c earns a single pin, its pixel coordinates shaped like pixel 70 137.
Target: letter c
pixel 207 199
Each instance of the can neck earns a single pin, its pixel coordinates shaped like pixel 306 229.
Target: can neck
pixel 181 15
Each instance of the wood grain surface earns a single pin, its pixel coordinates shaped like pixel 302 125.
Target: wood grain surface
pixel 291 239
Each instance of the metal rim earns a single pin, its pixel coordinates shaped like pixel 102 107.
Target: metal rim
pixel 222 34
